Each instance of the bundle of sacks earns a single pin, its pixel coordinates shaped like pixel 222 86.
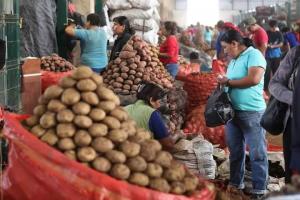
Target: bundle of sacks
pixel 142 14
pixel 82 118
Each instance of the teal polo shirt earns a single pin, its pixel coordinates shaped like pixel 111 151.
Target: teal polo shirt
pixel 247 99
pixel 93 44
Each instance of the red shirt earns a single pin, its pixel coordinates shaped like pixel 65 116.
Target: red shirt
pixel 170 46
pixel 260 37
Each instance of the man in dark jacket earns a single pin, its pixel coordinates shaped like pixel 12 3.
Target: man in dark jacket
pixel 282 88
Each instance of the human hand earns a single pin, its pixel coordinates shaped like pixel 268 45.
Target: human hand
pixel 223 80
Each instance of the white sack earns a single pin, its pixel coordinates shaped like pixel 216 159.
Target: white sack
pixel 118 4
pixel 144 4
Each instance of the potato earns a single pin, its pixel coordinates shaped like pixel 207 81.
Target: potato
pixel 67 82
pixel 128 128
pixel 82 138
pixel 125 69
pixel 117 61
pixel 86 154
pixel 82 72
pixel 119 79
pixel 98 129
pixel 115 75
pixel 97 79
pixel 117 135
pixel 83 121
pixel 102 144
pixel 86 85
pixel 130 61
pixel 71 154
pixel 107 94
pixel 130 149
pixel 149 148
pixel 160 184
pixel 90 98
pixel 164 158
pixel 66 144
pixel 97 114
pixel 120 171
pixel 137 81
pixel 70 96
pixel 55 105
pixel 115 156
pixel 53 92
pixel 139 75
pixel 134 88
pixel 126 87
pixel 176 172
pixel 32 121
pixel 101 164
pixel 65 130
pixel 127 47
pixel 140 136
pixel 38 130
pixel 50 137
pixel 42 100
pixel 117 85
pixel 154 170
pixel 48 120
pixel 81 108
pixel 139 69
pixel 117 90
pixel 107 106
pixel 124 75
pixel 131 77
pixel 177 188
pixel 65 116
pixel 125 92
pixel 139 179
pixel 137 164
pixel 129 82
pixel 112 122
pixel 39 110
pixel 133 66
pixel 190 183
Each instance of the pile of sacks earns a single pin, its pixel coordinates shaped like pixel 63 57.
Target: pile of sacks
pixel 143 15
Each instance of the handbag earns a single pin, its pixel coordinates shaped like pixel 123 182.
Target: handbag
pixel 273 118
pixel 218 110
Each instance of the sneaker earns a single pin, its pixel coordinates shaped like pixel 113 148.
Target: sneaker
pixel 256 196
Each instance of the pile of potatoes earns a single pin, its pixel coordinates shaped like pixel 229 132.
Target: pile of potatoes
pixel 82 118
pixel 56 64
pixel 136 62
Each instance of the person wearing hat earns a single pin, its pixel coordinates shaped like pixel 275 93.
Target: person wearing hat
pixel 258 35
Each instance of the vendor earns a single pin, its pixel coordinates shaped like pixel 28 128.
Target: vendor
pixel 146 115
pixel 122 30
pixel 169 50
pixel 93 42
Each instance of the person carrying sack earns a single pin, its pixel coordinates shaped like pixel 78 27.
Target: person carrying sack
pixel 282 87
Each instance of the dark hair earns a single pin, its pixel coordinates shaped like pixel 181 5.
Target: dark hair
pixel 286 29
pixel 272 23
pixel 94 19
pixel 148 90
pixel 233 35
pixel 123 21
pixel 194 55
pixel 220 24
pixel 171 27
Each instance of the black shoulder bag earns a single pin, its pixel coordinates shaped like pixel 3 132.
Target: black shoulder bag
pixel 218 110
pixel 273 118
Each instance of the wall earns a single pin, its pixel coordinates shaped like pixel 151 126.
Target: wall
pixel 168 12
pixel 85 7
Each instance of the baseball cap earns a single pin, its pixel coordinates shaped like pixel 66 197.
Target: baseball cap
pixel 250 21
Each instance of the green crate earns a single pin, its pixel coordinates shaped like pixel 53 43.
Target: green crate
pixel 12 28
pixel 13 77
pixel 2 97
pixel 2 81
pixel 12 54
pixel 13 98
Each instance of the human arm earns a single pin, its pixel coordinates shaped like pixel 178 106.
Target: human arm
pixel 160 132
pixel 70 29
pixel 278 86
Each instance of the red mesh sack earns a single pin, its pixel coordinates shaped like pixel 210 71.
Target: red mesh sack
pixel 51 78
pixel 196 124
pixel 218 67
pixel 38 171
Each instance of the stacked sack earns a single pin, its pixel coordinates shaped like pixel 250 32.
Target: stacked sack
pixel 143 15
pixel 137 62
pixel 82 118
pixel 195 123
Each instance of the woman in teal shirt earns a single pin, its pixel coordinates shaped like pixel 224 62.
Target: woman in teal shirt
pixel 245 82
pixel 93 42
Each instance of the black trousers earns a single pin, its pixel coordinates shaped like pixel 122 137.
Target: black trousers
pixel 272 66
pixel 287 143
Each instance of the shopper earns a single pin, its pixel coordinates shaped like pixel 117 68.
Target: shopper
pixel 258 35
pixel 169 50
pixel 123 31
pixel 220 28
pixel 290 38
pixel 273 54
pixel 146 115
pixel 195 62
pixel 208 36
pixel 281 88
pixel 245 86
pixel 93 42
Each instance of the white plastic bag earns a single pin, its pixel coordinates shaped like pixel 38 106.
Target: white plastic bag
pixel 150 36
pixel 118 4
pixel 144 4
pixel 133 14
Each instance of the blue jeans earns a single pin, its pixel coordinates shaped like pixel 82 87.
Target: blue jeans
pixel 245 129
pixel 172 69
pixel 98 70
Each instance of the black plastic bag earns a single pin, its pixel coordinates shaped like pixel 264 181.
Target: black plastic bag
pixel 218 110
